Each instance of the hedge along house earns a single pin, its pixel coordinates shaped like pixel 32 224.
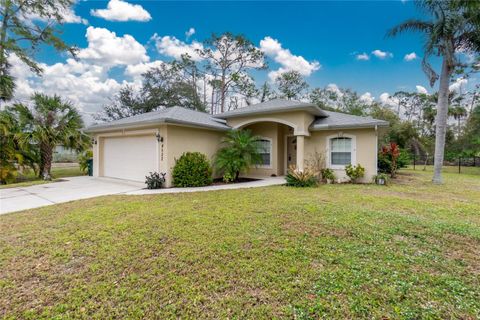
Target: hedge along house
pixel 291 133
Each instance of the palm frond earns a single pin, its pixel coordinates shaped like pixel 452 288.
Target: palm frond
pixel 411 25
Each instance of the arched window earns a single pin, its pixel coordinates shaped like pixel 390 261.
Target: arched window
pixel 341 151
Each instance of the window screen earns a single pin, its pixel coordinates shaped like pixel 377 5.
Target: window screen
pixel 341 151
pixel 264 148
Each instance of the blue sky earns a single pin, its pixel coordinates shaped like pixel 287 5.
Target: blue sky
pixel 328 32
pixel 327 37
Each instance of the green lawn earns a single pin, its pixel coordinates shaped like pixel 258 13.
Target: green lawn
pixel 30 179
pixel 407 251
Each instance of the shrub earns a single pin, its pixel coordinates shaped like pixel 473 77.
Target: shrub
pixel 192 169
pixel 316 161
pixel 228 177
pixel 155 180
pixel 391 158
pixel 354 172
pixel 328 174
pixel 297 178
pixel 83 160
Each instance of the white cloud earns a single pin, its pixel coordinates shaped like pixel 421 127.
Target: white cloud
pixel 410 56
pixel 67 14
pixel 136 71
pixel 388 100
pixel 172 47
pixel 332 87
pixel 384 97
pixel 190 32
pixel 106 48
pixel 367 98
pixel 421 89
pixel 118 10
pixel 458 84
pixel 382 54
pixel 87 86
pixel 362 56
pixel 87 81
pixel 70 17
pixel 288 62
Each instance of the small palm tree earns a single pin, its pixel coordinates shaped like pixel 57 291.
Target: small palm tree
pixel 454 27
pixel 51 122
pixel 239 153
pixel 11 156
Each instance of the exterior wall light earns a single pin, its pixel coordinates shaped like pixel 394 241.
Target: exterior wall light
pixel 94 141
pixel 159 137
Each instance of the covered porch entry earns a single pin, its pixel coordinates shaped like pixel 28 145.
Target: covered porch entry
pixel 280 148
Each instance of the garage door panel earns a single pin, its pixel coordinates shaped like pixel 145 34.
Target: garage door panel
pixel 130 157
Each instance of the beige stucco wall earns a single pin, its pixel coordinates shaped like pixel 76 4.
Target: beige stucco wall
pixel 176 140
pixel 183 139
pixel 365 149
pixel 179 139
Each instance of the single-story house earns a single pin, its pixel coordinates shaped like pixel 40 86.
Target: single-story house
pixel 291 132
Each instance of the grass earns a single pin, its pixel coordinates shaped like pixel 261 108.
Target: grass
pixel 30 179
pixel 407 251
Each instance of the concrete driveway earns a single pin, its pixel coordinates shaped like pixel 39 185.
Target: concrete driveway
pixel 74 188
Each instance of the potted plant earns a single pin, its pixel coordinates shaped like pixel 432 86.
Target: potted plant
pixel 381 179
pixel 328 175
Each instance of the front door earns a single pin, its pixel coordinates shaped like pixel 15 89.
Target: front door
pixel 291 151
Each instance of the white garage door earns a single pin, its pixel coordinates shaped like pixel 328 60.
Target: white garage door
pixel 130 158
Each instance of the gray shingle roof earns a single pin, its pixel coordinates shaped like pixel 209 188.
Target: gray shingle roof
pixel 176 115
pixel 336 120
pixel 276 105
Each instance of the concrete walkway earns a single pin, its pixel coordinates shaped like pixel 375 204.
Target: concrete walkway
pixel 76 188
pixel 271 181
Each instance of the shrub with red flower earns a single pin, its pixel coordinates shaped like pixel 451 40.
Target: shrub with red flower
pixel 393 152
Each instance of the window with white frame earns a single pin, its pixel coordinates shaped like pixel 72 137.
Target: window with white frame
pixel 264 146
pixel 340 151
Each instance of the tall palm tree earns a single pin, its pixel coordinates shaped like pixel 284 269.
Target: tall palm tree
pixel 49 123
pixel 454 26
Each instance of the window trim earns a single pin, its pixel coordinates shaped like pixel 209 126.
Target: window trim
pixel 353 150
pixel 267 166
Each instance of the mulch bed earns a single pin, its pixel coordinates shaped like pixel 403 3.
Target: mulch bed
pixel 219 181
